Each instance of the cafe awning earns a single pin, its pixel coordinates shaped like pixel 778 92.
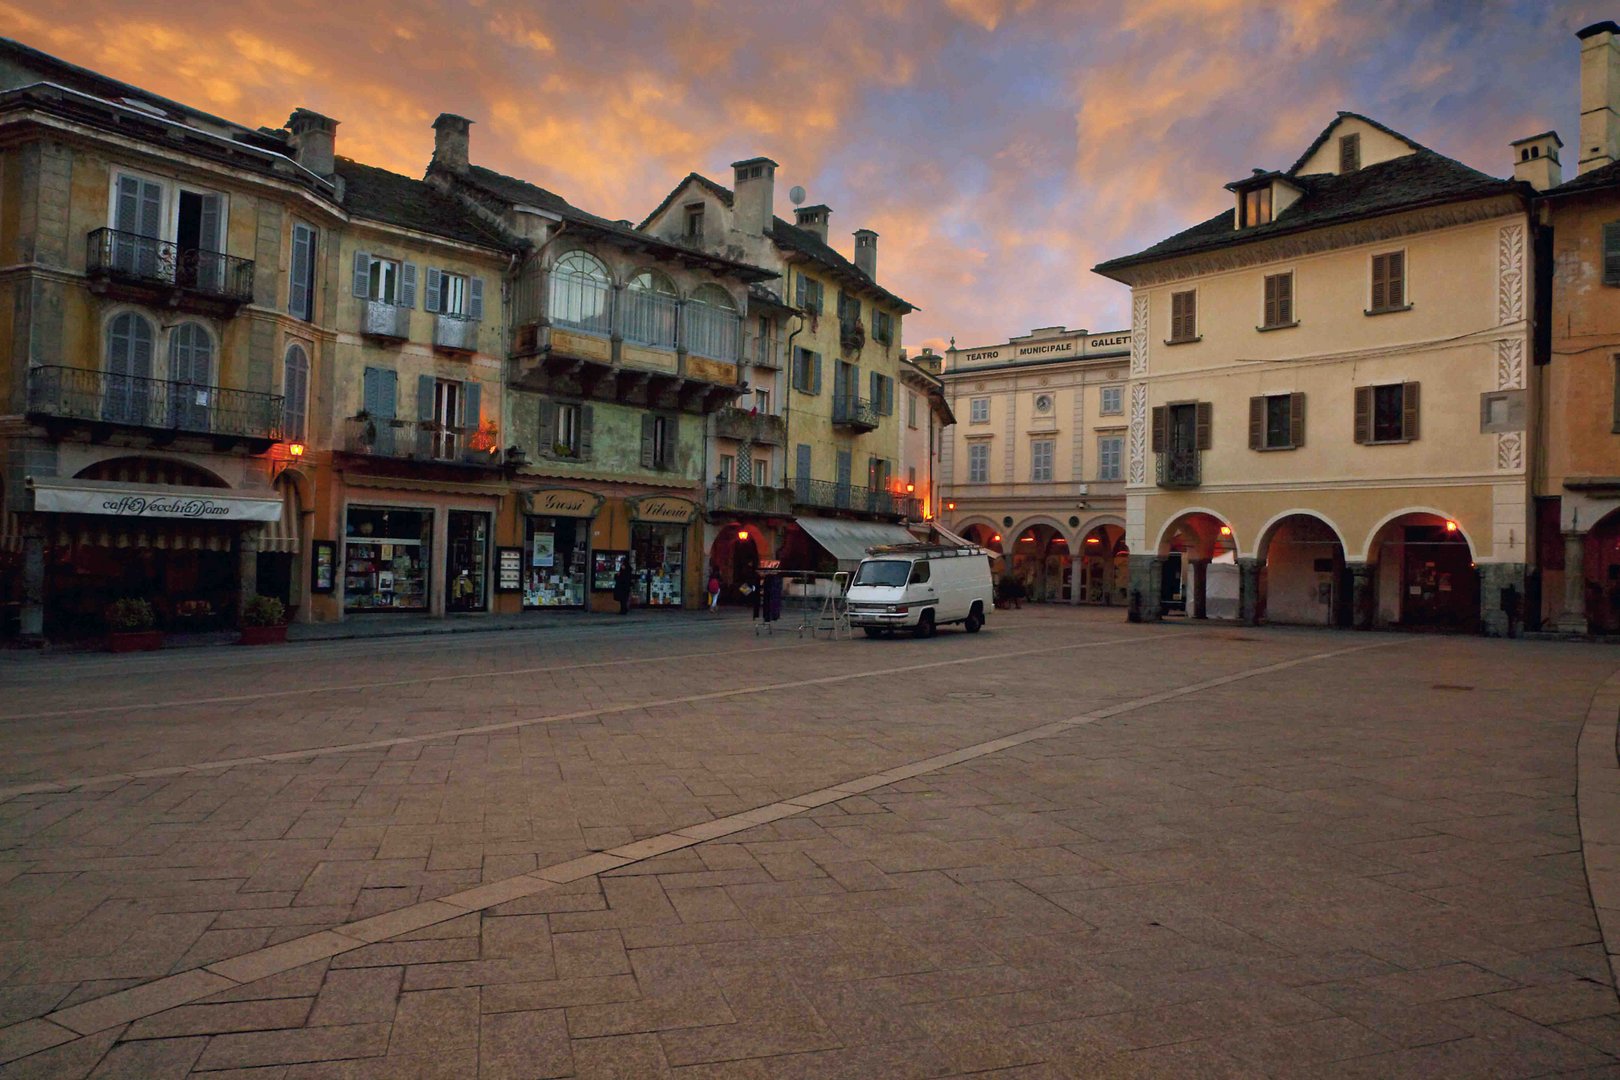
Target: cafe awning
pixel 847 541
pixel 220 506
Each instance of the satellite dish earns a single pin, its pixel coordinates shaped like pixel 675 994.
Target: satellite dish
pixel 796 195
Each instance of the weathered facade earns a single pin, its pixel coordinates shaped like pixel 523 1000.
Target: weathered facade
pixel 1329 393
pixel 1033 469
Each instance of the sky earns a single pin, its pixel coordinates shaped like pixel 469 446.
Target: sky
pixel 1001 148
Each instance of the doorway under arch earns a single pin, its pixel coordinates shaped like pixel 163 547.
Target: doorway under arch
pixel 1426 576
pixel 1104 566
pixel 1303 579
pixel 1199 550
pixel 735 555
pixel 1042 564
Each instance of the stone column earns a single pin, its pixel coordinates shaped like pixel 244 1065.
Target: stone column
pixel 1248 591
pixel 1572 619
pixel 1198 589
pixel 32 626
pixel 1363 595
pixel 1147 574
pixel 1501 585
pixel 247 568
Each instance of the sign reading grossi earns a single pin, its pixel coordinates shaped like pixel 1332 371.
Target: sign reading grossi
pixel 665 509
pixel 563 502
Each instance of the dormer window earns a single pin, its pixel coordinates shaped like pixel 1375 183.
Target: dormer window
pixel 1349 153
pixel 1257 206
pixel 694 221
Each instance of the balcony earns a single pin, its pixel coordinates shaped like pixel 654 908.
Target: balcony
pixel 764 352
pixel 731 498
pixel 743 425
pixel 89 397
pixel 852 412
pixel 851 334
pixel 381 319
pixel 1179 469
pixel 828 495
pixel 454 333
pixel 146 269
pixel 424 441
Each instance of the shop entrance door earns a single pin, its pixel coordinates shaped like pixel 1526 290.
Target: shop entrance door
pixel 467 568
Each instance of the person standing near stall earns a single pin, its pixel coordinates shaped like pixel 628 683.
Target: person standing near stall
pixel 621 585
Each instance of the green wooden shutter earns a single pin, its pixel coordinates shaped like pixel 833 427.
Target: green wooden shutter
pixel 361 285
pixel 815 373
pixel 546 429
pixel 475 298
pixel 648 439
pixel 407 285
pixel 472 411
pixel 435 281
pixel 1257 421
pixel 587 417
pixel 1364 412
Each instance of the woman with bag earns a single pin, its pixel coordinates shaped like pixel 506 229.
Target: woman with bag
pixel 714 590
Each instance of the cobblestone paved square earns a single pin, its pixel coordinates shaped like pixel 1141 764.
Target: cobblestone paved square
pixel 1065 847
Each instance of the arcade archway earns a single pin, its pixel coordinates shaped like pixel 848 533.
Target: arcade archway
pixel 1104 566
pixel 1426 576
pixel 1198 551
pixel 1042 564
pixel 1303 580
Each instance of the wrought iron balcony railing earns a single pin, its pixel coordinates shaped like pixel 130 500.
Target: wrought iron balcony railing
pixel 829 495
pixel 417 440
pixel 379 318
pixel 148 260
pixel 851 411
pixel 750 499
pixel 455 333
pixel 1179 469
pixel 68 393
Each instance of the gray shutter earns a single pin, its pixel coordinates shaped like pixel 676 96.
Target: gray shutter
pixel 815 373
pixel 672 432
pixel 1159 420
pixel 648 448
pixel 1296 420
pixel 472 412
pixel 1201 418
pixel 1611 253
pixel 1364 409
pixel 1409 410
pixel 371 400
pixel 424 397
pixel 801 465
pixel 407 285
pixel 1257 423
pixel 362 274
pixel 298 280
pixel 208 219
pixel 435 277
pixel 874 390
pixel 587 417
pixel 475 298
pixel 546 429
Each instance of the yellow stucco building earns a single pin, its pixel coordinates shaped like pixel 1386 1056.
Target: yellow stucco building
pixel 1329 394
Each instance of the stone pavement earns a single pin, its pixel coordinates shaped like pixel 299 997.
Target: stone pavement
pixel 1065 847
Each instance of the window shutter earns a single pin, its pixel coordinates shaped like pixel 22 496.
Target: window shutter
pixel 371 392
pixel 151 219
pixel 798 295
pixel 472 412
pixel 1158 428
pixel 801 463
pixel 1364 411
pixel 1349 153
pixel 546 429
pixel 1296 420
pixel 435 278
pixel 586 418
pixel 362 274
pixel 648 437
pixel 875 390
pixel 888 396
pixel 407 285
pixel 815 373
pixel 672 432
pixel 1201 419
pixel 387 405
pixel 1397 279
pixel 475 298
pixel 424 397
pixel 1380 282
pixel 1257 423
pixel 1285 299
pixel 209 213
pixel 1611 253
pixel 1270 315
pixel 297 279
pixel 1409 410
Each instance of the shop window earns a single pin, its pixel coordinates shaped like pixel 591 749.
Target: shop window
pixel 466 566
pixel 387 552
pixel 658 554
pixel 557 556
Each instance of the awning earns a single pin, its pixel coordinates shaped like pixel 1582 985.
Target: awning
pixel 221 506
pixel 847 541
pixel 281 536
pixel 948 537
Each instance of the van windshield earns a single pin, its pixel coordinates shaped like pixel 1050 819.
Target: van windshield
pixel 891 572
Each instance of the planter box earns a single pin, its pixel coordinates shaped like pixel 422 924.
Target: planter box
pixel 134 640
pixel 264 635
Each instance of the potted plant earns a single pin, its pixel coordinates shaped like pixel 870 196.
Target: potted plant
pixel 131 626
pixel 264 621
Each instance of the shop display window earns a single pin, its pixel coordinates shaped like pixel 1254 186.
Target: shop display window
pixel 466 570
pixel 386 554
pixel 660 563
pixel 556 560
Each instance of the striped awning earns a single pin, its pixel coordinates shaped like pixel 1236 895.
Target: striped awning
pixel 72 530
pixel 281 535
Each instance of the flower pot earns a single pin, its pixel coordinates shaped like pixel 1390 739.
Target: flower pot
pixel 264 635
pixel 134 640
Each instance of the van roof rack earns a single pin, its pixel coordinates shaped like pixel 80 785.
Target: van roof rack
pixel 923 548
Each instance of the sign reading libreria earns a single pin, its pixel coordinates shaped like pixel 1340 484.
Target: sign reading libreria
pixel 669 509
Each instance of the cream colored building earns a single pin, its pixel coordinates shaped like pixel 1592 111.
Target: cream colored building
pixel 1034 467
pixel 1328 393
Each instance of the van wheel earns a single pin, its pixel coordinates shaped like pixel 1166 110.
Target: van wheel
pixel 974 620
pixel 925 625
pixel 873 631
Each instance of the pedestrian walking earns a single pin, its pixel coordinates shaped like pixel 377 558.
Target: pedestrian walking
pixel 621 586
pixel 714 591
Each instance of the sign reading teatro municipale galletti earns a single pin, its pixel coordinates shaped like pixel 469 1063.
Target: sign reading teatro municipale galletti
pixel 663 509
pixel 151 501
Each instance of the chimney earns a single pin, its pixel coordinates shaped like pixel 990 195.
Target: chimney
pixel 314 140
pixel 1535 161
pixel 1600 96
pixel 755 183
pixel 866 252
pixel 450 142
pixel 813 219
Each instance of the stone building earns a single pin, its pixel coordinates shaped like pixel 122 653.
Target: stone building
pixel 1034 469
pixel 1329 386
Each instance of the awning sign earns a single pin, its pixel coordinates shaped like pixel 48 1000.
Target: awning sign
pixel 151 501
pixel 563 502
pixel 664 509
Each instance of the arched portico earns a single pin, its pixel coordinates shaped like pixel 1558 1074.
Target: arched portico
pixel 1042 562
pixel 1104 562
pixel 1303 574
pixel 1198 570
pixel 1425 574
pixel 735 556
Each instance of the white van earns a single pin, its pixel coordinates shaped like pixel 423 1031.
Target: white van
pixel 920 587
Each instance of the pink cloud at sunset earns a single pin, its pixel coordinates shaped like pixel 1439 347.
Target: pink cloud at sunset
pixel 1001 147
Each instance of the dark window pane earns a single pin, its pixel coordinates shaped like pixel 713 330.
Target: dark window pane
pixel 1387 404
pixel 1278 421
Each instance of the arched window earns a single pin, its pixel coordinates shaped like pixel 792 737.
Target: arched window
pixel 191 376
pixel 649 312
pixel 295 393
pixel 713 327
pixel 127 391
pixel 580 293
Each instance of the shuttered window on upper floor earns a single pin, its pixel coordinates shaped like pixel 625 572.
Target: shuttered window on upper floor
pixel 1611 253
pixel 1184 316
pixel 1279 301
pixel 1388 282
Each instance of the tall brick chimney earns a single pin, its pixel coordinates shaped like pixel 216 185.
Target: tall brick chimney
pixel 314 140
pixel 1600 95
pixel 755 183
pixel 450 140
pixel 866 252
pixel 813 219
